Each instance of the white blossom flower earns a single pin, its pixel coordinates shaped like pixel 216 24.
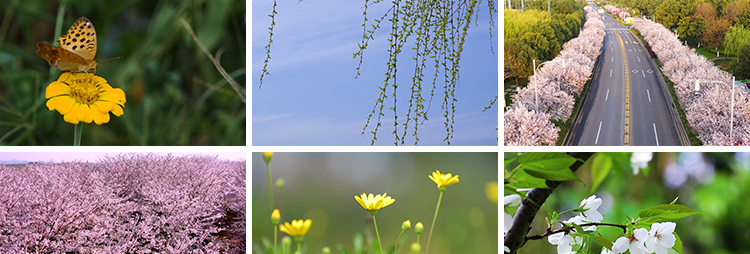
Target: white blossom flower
pixel 579 220
pixel 606 251
pixel 510 200
pixel 591 204
pixel 640 160
pixel 661 238
pixel 505 248
pixel 634 242
pixel 563 241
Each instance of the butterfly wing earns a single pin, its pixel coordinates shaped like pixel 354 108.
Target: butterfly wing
pixel 61 58
pixel 80 39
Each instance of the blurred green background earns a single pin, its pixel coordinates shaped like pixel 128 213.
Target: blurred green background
pixel 175 94
pixel 715 183
pixel 322 186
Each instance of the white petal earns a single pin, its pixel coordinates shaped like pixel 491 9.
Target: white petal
pixel 641 235
pixel 555 239
pixel 593 215
pixel 512 200
pixel 564 249
pixel 637 248
pixel 505 248
pixel 621 245
pixel 667 240
pixel 666 227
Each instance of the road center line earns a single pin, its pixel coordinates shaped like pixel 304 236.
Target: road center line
pixel 655 135
pixel 600 129
pixel 607 97
pixel 610 73
pixel 649 95
pixel 639 59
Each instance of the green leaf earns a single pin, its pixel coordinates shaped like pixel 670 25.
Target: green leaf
pixel 509 158
pixel 603 241
pixel 523 180
pixel 674 201
pixel 600 167
pixel 553 175
pixel 546 161
pixel 677 244
pixel 668 212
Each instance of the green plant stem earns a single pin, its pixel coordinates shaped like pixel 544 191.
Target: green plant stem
pixel 427 249
pixel 270 190
pixel 299 246
pixel 378 234
pixel 275 237
pixel 77 134
pixel 418 238
pixel 58 28
pixel 395 249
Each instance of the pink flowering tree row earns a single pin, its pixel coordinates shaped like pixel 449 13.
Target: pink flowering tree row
pixel 552 91
pixel 622 13
pixel 708 112
pixel 124 204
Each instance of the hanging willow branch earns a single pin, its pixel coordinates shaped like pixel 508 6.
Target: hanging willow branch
pixel 438 29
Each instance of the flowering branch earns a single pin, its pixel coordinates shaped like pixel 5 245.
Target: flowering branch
pixel 516 236
pixel 570 228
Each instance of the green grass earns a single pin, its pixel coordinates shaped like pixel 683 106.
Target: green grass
pixel 175 95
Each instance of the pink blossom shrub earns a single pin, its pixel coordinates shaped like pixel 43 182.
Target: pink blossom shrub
pixel 124 204
pixel 707 113
pixel 621 13
pixel 556 88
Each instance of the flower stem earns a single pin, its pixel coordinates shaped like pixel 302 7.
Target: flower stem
pixel 58 28
pixel 275 237
pixel 378 234
pixel 270 193
pixel 77 134
pixel 299 246
pixel 395 249
pixel 427 249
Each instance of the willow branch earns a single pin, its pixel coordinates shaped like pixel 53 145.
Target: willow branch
pixel 516 236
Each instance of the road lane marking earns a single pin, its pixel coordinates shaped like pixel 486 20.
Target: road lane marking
pixel 597 133
pixel 613 59
pixel 656 135
pixel 607 97
pixel 649 95
pixel 644 73
pixel 639 59
pixel 610 73
pixel 626 42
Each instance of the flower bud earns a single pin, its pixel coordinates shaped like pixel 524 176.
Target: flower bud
pixel 415 247
pixel 280 183
pixel 419 227
pixel 286 241
pixel 275 216
pixel 406 225
pixel 267 156
pixel 326 250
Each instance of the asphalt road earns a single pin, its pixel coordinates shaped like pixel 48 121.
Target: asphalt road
pixel 626 104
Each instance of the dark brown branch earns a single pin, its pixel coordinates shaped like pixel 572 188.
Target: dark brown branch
pixel 516 236
pixel 569 228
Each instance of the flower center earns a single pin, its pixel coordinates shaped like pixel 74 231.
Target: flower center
pixel 84 89
pixel 632 238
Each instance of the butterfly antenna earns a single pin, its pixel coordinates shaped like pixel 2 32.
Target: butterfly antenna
pixel 110 59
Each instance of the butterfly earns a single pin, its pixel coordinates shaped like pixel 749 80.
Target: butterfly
pixel 77 48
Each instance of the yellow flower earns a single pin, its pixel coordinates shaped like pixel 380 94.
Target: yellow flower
pixel 419 227
pixel 267 156
pixel 297 228
pixel 374 203
pixel 84 97
pixel 443 180
pixel 275 216
pixel 490 189
pixel 406 225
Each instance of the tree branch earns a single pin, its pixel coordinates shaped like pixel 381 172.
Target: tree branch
pixel 569 228
pixel 516 236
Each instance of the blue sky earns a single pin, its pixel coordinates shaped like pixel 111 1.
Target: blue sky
pixel 94 156
pixel 312 98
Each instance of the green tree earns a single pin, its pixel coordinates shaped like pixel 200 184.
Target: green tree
pixel 741 67
pixel 517 59
pixel 713 33
pixel 675 14
pixel 538 43
pixel 743 19
pixel 736 37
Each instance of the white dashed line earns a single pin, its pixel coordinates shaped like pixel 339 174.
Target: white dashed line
pixel 649 95
pixel 655 135
pixel 639 59
pixel 607 97
pixel 610 73
pixel 600 129
pixel 644 73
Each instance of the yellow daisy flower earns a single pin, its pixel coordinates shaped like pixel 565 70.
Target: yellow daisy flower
pixel 443 180
pixel 374 202
pixel 84 97
pixel 297 228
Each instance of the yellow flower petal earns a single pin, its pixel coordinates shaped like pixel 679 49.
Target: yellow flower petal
pixel 84 97
pixel 62 104
pixel 56 89
pixel 374 202
pixel 443 180
pixel 296 228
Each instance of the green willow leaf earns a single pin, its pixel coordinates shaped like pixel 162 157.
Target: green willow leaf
pixel 546 161
pixel 603 241
pixel 668 212
pixel 553 175
pixel 601 165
